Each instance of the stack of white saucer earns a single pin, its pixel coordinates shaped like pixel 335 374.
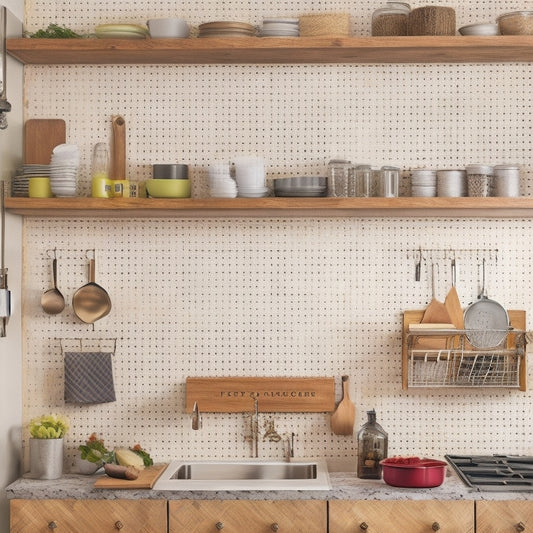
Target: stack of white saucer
pixel 221 184
pixel 280 27
pixel 64 166
pixel 423 182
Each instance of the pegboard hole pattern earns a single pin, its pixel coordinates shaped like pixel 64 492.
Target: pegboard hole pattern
pixel 246 297
pixel 242 297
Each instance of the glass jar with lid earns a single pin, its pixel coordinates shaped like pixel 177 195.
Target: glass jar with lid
pixel 390 20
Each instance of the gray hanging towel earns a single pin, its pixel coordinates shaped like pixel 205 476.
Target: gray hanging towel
pixel 89 377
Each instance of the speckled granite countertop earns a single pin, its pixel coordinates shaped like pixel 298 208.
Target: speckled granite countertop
pixel 344 486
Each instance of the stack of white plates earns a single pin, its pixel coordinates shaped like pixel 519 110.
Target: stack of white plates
pixel 280 27
pixel 451 183
pixel 64 169
pixel 221 184
pixel 121 31
pixel 423 182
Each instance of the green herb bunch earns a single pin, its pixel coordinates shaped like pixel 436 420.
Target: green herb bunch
pixel 54 32
pixel 48 427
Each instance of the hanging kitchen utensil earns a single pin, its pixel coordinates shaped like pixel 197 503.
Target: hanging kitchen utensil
pixel 486 321
pixel 91 302
pixel 436 312
pixel 5 294
pixel 52 301
pixel 452 302
pixel 342 420
pixel 119 148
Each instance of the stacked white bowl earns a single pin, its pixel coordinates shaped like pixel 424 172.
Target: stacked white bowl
pixel 64 166
pixel 423 182
pixel 250 176
pixel 221 184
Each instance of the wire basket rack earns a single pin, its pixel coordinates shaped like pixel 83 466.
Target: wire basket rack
pixel 446 358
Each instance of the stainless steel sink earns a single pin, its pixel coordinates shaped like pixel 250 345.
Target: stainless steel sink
pixel 244 475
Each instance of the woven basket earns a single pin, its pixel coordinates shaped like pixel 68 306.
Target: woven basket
pixel 325 24
pixel 431 20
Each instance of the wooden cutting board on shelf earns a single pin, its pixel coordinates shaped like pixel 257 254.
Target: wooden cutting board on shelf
pixel 146 479
pixel 41 136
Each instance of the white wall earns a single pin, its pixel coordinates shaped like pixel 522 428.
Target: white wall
pixel 10 346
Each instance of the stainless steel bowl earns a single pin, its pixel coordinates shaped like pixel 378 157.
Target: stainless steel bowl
pixel 170 171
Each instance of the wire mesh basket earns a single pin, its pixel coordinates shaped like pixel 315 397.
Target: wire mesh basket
pixel 446 358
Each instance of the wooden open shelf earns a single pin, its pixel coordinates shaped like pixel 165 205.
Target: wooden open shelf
pixel 452 49
pixel 272 207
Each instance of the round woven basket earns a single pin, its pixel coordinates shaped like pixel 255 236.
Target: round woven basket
pixel 431 20
pixel 325 24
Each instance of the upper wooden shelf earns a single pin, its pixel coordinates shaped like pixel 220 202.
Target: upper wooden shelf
pixel 271 207
pixel 456 49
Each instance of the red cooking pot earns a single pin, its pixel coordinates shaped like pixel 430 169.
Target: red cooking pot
pixel 413 472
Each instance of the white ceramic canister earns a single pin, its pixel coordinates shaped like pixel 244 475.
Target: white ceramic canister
pixel 451 183
pixel 506 180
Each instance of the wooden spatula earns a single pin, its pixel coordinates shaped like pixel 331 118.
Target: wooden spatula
pixel 436 311
pixel 343 419
pixel 453 304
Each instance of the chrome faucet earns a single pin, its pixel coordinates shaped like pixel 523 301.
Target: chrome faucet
pixel 289 447
pixel 196 417
pixel 254 428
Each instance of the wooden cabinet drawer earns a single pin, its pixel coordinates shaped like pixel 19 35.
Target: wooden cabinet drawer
pixel 88 516
pixel 504 517
pixel 230 516
pixel 401 516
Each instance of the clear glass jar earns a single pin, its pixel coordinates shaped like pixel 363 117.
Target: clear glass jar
pixel 480 179
pixel 100 183
pixel 387 181
pixel 390 20
pixel 372 443
pixel 339 173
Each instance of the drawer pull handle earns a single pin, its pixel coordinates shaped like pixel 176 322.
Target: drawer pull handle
pixel 219 525
pixel 119 525
pixel 363 526
pixel 520 526
pixel 435 526
pixel 52 525
pixel 274 526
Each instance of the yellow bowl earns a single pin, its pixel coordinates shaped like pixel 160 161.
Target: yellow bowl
pixel 168 188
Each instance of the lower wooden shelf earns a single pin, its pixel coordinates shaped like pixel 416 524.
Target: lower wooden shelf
pixel 272 207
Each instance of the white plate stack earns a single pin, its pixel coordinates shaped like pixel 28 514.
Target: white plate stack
pixel 221 184
pixel 280 27
pixel 20 184
pixel 250 176
pixel 451 183
pixel 423 182
pixel 64 166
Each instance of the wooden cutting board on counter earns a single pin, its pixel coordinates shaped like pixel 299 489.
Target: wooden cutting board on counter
pixel 41 136
pixel 146 479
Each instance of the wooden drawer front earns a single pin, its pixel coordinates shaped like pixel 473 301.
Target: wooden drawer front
pixel 88 516
pixel 504 517
pixel 195 516
pixel 401 516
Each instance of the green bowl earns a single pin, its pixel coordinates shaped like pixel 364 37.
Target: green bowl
pixel 162 188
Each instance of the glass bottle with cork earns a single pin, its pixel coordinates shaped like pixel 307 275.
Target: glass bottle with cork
pixel 372 443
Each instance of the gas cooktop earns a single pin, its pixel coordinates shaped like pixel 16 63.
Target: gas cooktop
pixel 496 473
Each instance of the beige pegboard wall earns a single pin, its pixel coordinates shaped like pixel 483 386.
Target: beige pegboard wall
pixel 247 297
pixel 307 296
